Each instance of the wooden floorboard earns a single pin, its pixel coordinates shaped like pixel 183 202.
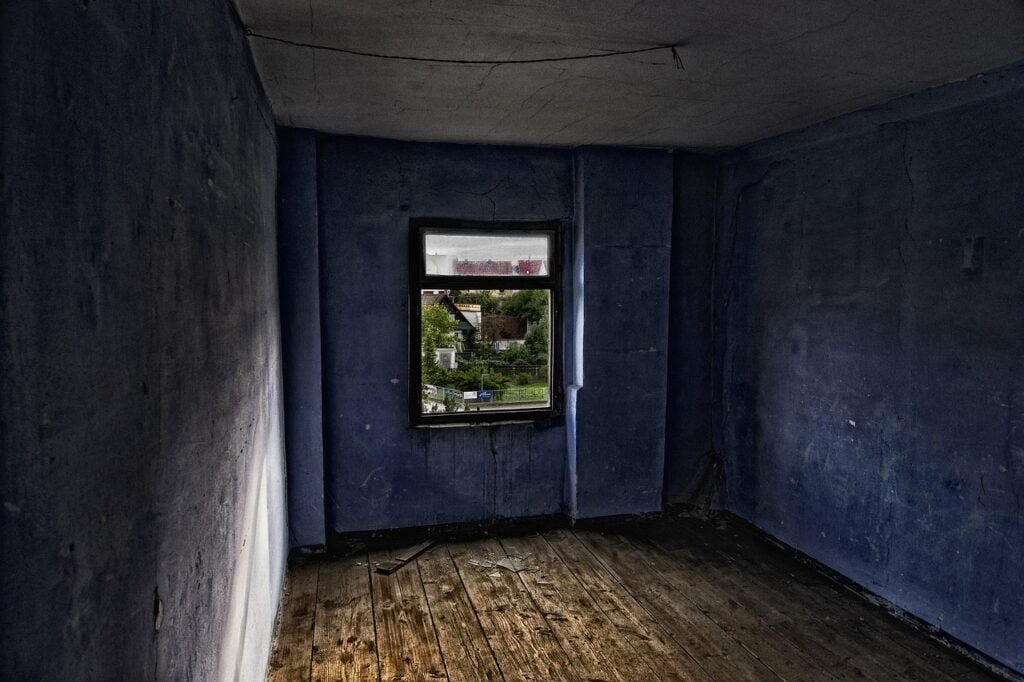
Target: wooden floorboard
pixel 739 620
pixel 682 600
pixel 780 616
pixel 293 645
pixel 861 636
pixel 467 654
pixel 520 637
pixel 634 624
pixel 344 639
pixel 716 652
pixel 860 613
pixel 407 645
pixel 589 639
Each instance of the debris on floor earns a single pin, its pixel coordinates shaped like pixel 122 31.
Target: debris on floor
pixel 513 562
pixel 390 566
pixel 516 564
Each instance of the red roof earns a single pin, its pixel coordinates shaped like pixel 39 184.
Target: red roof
pixel 483 267
pixel 530 267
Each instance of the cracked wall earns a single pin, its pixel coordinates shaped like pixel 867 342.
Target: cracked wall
pixel 869 351
pixel 141 533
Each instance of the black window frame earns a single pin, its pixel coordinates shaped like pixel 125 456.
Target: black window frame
pixel 420 280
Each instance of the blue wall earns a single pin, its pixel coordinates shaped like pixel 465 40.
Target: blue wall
pixel 298 254
pixel 872 388
pixel 625 198
pixel 141 450
pixel 798 308
pixel 378 471
pixel 692 467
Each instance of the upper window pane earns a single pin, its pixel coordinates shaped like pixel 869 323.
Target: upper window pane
pixel 502 255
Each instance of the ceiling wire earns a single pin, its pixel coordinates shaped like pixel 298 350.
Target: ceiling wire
pixel 481 62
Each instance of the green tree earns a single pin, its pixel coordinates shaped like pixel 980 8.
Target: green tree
pixel 529 304
pixel 470 378
pixel 437 330
pixel 471 343
pixel 536 344
pixel 488 304
pixel 485 299
pixel 515 355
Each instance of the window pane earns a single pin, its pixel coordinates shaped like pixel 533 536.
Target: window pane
pixel 485 350
pixel 508 255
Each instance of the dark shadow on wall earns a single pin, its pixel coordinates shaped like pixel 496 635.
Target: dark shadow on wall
pixel 141 534
pixel 693 467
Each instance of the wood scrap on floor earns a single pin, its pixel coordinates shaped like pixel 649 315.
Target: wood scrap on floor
pixel 390 566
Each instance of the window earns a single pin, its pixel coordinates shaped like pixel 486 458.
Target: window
pixel 485 321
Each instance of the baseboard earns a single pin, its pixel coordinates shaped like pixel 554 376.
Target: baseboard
pixel 345 544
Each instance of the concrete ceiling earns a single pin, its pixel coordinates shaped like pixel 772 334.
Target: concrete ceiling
pixel 751 69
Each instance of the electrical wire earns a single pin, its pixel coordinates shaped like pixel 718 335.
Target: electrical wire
pixel 478 62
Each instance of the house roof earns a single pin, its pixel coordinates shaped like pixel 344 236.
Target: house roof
pixel 471 312
pixel 483 267
pixel 461 321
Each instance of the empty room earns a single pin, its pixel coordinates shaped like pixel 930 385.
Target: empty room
pixel 448 340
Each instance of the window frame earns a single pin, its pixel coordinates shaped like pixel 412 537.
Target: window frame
pixel 419 280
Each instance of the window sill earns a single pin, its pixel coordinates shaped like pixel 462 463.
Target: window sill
pixel 540 419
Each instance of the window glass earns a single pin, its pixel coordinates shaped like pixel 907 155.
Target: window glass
pixel 485 350
pixel 500 255
pixel 485 321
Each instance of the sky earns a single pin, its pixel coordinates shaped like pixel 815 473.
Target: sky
pixel 510 248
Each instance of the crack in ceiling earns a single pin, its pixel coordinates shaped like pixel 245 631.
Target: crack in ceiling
pixel 752 70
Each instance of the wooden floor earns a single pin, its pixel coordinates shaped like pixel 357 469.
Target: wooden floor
pixel 681 600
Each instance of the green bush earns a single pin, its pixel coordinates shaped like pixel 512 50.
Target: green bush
pixel 469 379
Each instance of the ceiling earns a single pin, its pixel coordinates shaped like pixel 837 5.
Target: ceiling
pixel 750 70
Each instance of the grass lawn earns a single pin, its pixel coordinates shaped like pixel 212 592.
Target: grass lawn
pixel 524 394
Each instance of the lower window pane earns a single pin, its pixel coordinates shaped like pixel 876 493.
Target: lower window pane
pixel 485 350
